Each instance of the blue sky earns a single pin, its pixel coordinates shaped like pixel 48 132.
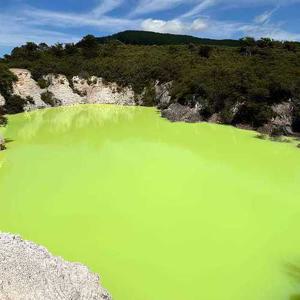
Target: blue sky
pixel 68 20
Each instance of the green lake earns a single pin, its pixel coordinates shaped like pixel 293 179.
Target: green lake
pixel 161 210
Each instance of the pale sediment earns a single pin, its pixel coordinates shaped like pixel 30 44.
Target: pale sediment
pixel 29 272
pixel 65 92
pixel 77 90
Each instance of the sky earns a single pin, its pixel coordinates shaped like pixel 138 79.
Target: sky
pixel 69 20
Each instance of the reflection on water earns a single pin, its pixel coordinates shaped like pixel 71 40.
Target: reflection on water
pixel 198 211
pixel 65 119
pixel 293 270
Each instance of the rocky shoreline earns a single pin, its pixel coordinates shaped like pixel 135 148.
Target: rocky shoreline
pixel 29 272
pixel 2 143
pixel 58 90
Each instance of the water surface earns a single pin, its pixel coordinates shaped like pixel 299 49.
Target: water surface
pixel 163 211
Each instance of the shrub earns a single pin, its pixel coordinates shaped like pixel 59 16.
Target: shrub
pixel 3 120
pixel 205 51
pixel 256 73
pixel 261 136
pixel 14 104
pixel 43 83
pixel 49 99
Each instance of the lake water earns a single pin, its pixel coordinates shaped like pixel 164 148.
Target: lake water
pixel 163 211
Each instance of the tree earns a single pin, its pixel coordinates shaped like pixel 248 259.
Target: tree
pixel 265 43
pixel 205 51
pixel 89 46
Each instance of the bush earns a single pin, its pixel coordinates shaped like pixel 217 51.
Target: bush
pixel 6 80
pixel 254 114
pixel 49 99
pixel 14 104
pixel 257 74
pixel 3 120
pixel 205 51
pixel 43 83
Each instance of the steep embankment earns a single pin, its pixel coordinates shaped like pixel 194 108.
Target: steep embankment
pixel 57 90
pixel 29 271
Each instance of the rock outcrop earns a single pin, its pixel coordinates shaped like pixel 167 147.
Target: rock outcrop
pixel 92 90
pixel 281 123
pixel 95 90
pixel 180 113
pixel 30 272
pixel 60 88
pixel 26 87
pixel 2 100
pixel 283 120
pixel 162 94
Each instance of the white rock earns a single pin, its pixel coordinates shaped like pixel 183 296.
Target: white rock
pixel 26 86
pixel 162 93
pixel 284 114
pixel 60 88
pixel 2 100
pixel 95 90
pixel 30 272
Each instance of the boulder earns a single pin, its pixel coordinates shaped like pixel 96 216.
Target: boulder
pixel 281 124
pixel 162 94
pixel 29 272
pixel 215 118
pixel 180 113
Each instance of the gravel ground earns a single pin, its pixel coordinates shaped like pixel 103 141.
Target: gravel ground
pixel 29 272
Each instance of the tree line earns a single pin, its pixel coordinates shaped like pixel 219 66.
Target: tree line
pixel 255 75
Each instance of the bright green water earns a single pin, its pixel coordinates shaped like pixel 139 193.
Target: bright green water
pixel 163 211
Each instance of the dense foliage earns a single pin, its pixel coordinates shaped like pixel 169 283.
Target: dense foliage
pixel 153 38
pixel 253 76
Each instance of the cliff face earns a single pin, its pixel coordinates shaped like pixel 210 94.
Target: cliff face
pixel 30 272
pixel 59 91
pixel 94 90
pixel 78 91
pixel 26 87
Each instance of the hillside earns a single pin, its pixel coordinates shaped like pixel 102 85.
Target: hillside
pixel 153 38
pixel 246 85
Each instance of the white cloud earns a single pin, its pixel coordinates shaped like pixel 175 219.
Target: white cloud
pixel 149 6
pixel 270 30
pixel 13 32
pixel 265 17
pixel 202 5
pixel 199 25
pixel 174 26
pixel 199 8
pixel 145 7
pixel 205 27
pixel 106 6
pixel 32 24
pixel 45 17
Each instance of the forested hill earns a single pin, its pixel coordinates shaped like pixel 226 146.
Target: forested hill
pixel 154 38
pixel 238 85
